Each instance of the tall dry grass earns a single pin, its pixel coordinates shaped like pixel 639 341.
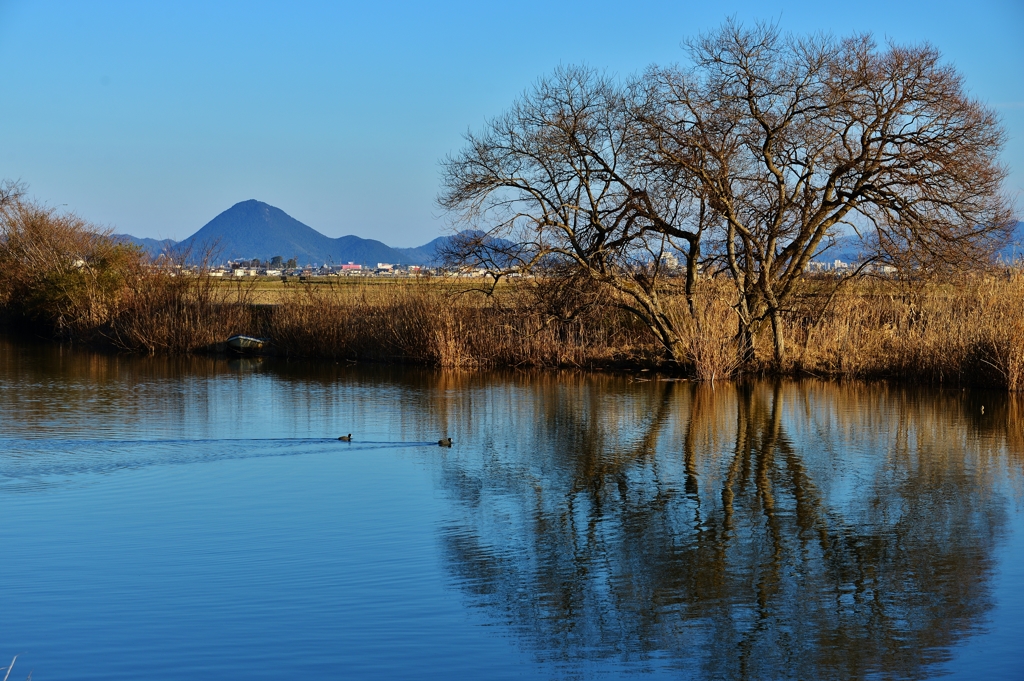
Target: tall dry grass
pixel 449 326
pixel 963 331
pixel 170 312
pixel 968 331
pixel 710 332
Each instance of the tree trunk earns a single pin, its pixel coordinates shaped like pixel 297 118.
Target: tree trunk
pixel 777 338
pixel 666 333
pixel 745 343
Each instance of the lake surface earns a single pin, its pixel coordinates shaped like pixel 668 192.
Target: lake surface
pixel 198 518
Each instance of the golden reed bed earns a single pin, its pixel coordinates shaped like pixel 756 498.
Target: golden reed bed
pixel 963 331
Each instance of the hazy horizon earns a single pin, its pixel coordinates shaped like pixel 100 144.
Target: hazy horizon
pixel 152 120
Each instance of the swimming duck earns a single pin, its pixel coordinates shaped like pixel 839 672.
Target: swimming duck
pixel 445 443
pixel 346 438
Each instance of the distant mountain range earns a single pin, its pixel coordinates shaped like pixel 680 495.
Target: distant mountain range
pixel 151 246
pixel 849 248
pixel 253 229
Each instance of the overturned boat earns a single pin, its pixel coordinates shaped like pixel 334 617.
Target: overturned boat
pixel 247 344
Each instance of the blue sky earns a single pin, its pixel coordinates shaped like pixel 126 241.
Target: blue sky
pixel 152 118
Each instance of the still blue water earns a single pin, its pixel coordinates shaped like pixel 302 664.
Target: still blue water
pixel 198 518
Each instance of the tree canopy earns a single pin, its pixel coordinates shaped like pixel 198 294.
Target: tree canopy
pixel 749 160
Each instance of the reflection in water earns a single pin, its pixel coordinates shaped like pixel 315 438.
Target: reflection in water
pixel 759 531
pixel 797 529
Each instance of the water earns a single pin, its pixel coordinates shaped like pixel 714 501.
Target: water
pixel 197 518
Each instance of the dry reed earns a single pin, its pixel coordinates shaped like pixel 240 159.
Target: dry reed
pixel 173 313
pixel 963 331
pixel 441 325
pixel 711 341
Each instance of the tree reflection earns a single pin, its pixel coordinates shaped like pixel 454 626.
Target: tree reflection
pixel 756 531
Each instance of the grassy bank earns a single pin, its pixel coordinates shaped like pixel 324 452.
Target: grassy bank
pixel 60 279
pixel 964 332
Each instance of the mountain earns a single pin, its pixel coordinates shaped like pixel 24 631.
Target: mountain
pixel 427 254
pixel 153 247
pixel 253 229
pixel 849 248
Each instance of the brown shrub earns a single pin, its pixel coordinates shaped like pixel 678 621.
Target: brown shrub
pixel 61 273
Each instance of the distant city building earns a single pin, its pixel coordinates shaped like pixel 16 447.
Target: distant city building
pixel 841 268
pixel 669 261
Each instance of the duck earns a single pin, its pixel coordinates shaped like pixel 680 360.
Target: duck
pixel 346 438
pixel 445 442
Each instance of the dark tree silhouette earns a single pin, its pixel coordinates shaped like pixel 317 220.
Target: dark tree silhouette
pixel 789 138
pixel 750 160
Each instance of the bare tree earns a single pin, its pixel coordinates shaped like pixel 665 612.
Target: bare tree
pixel 559 185
pixel 789 140
pixel 10 193
pixel 751 160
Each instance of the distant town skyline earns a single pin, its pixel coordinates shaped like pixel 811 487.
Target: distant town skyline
pixel 152 119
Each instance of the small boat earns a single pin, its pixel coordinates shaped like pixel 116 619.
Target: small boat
pixel 246 343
